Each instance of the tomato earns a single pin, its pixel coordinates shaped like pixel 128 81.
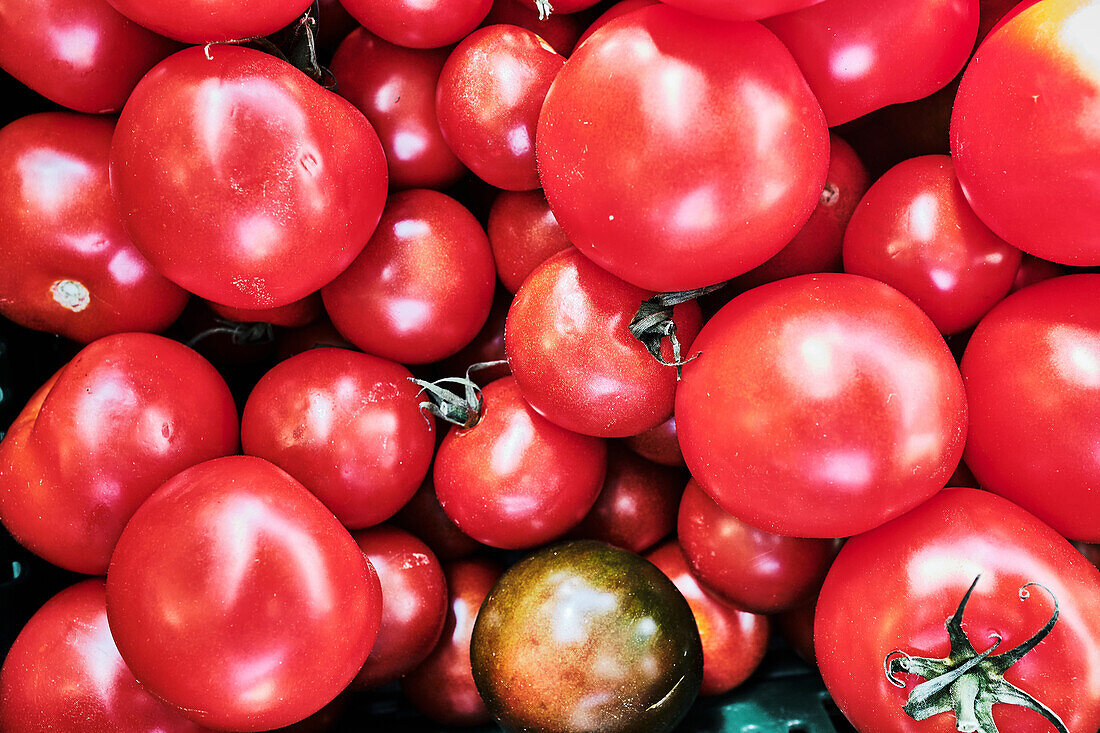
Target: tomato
pixel 292 315
pixel 242 180
pixel 201 21
pixel 523 234
pixel 861 56
pixel 741 9
pixel 515 479
pixel 796 626
pixel 234 595
pixel 423 286
pixel 658 444
pixel 487 346
pixel 582 636
pixel 1025 143
pixel 79 53
pixel 69 266
pixel 100 436
pixel 821 406
pixel 348 426
pixel 572 354
pixel 64 674
pixel 559 30
pixel 755 570
pixel 442 687
pixel 914 231
pixel 1033 270
pixel 620 8
pixel 1090 551
pixel 718 122
pixel 546 7
pixel 395 88
pixel 734 641
pixel 419 23
pixel 1004 581
pixel 414 591
pixel 1032 375
pixel 425 518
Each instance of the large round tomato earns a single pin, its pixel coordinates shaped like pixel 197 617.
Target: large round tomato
pixel 1024 136
pixel 419 23
pixel 1032 375
pixel 242 180
pixel 677 151
pixel 1004 581
pixel 202 21
pixel 821 406
pixel 741 9
pixel 235 595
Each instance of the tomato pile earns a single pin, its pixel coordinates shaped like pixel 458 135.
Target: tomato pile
pixel 545 362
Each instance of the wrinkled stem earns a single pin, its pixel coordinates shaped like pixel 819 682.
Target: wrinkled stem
pixel 652 324
pixel 463 410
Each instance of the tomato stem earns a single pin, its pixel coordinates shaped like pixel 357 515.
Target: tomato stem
pixel 463 410
pixel 652 324
pixel 545 9
pixel 239 333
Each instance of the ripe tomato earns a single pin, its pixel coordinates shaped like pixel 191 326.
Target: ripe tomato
pixel 741 9
pixel 1033 270
pixel 915 231
pixel 419 23
pixel 887 595
pixel 658 444
pixel 561 31
pixel 292 315
pixel 100 436
pixel 487 346
pixel 618 9
pixel 79 53
pixel 821 406
pixel 235 595
pixel 523 234
pixel 1025 142
pixel 425 518
pixel 69 266
pixel 64 673
pixel 202 21
pixel 242 180
pixel 347 426
pixel 718 122
pixel 1032 375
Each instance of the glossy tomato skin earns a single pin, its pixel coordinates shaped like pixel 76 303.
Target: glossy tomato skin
pixel 821 406
pixel 516 480
pixel 572 354
pixel 861 56
pixel 292 315
pixel 394 87
pixel 81 54
pixel 629 659
pixel 348 426
pixel 419 23
pixel 915 231
pixel 755 570
pixel 1033 270
pixel 64 673
pixel 69 266
pixel 1047 201
pixel 891 589
pixel 1031 380
pixel 734 640
pixel 733 154
pixel 488 100
pixel 235 595
pixel 423 286
pixel 523 234
pixel 442 687
pixel 100 436
pixel 293 177
pixel 202 21
pixel 487 346
pixel 561 31
pixel 414 608
pixel 618 9
pixel 742 9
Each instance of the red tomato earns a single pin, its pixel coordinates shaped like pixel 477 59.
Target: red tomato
pixel 79 53
pixel 292 315
pixel 1032 375
pixel 128 412
pixel 523 234
pixel 559 30
pixel 487 346
pixel 423 286
pixel 1023 132
pixel 618 9
pixel 887 595
pixel 395 88
pixel 754 570
pixel 425 518
pixel 821 406
pixel 488 100
pixel 734 641
pixel 716 120
pixel 572 354
pixel 419 23
pixel 69 266
pixel 658 444
pixel 515 479
pixel 546 7
pixel 861 56
pixel 442 687
pixel 741 9
pixel 797 629
pixel 236 596
pixel 415 597
pixel 1033 270
pixel 914 231
pixel 202 21
pixel 242 180
pixel 348 426
pixel 64 674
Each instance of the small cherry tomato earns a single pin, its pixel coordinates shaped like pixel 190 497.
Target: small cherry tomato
pixel 523 234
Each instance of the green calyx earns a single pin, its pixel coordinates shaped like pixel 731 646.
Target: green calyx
pixel 461 409
pixel 652 324
pixel 969 683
